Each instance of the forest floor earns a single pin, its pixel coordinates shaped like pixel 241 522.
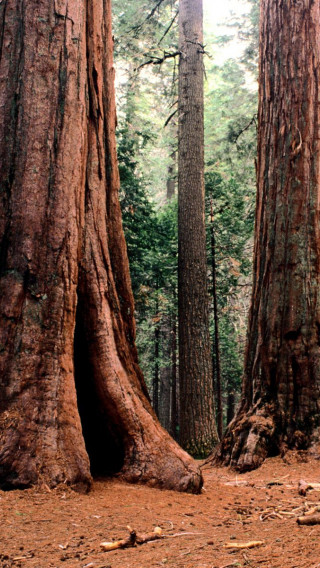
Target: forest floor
pixel 60 528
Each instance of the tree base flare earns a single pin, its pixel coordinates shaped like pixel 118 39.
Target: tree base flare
pixel 248 441
pixel 164 466
pixel 257 434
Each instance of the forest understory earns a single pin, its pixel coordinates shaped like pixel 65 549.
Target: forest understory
pixel 42 528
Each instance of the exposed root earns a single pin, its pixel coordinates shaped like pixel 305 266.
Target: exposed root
pixel 177 472
pixel 248 441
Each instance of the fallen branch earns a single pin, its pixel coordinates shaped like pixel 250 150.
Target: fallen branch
pixel 133 539
pixel 155 535
pixel 309 520
pixel 124 543
pixel 242 545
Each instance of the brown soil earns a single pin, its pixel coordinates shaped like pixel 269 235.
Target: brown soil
pixel 59 528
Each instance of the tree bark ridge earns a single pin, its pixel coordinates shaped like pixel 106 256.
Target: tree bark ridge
pixel 281 387
pixel 63 253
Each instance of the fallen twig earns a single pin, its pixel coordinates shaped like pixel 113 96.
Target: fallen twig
pixel 124 543
pixel 133 539
pixel 155 535
pixel 306 510
pixel 242 545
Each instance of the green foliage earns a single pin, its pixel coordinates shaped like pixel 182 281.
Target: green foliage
pixel 249 32
pixel 230 127
pixel 147 94
pixel 160 298
pixel 138 215
pixel 147 30
pixel 144 28
pixel 232 225
pixel 151 236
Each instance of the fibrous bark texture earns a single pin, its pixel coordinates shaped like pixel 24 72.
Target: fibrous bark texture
pixel 216 362
pixel 197 428
pixel 72 395
pixel 281 390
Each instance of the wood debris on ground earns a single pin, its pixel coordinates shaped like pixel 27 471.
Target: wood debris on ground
pixel 309 520
pixel 132 539
pixel 243 545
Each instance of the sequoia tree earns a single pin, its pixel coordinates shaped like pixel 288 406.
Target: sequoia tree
pixel 197 419
pixel 280 404
pixel 72 395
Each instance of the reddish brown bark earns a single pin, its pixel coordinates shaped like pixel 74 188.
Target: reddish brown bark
pixel 67 327
pixel 281 388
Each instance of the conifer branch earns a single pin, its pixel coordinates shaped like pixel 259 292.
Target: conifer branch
pixel 169 27
pixel 149 16
pixel 170 117
pixel 155 60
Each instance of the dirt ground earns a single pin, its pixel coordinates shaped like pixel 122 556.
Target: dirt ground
pixel 60 528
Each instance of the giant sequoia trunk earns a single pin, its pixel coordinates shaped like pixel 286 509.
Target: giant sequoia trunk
pixel 71 391
pixel 197 427
pixel 280 405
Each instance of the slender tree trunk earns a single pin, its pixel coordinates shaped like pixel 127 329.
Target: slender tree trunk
pixel 280 405
pixel 174 382
pixel 66 306
pixel 165 373
pixel 217 365
pixel 156 375
pixel 198 431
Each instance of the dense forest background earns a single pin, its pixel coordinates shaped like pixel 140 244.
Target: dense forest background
pixel 146 60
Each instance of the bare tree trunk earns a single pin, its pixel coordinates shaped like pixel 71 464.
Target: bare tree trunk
pixel 156 373
pixel 165 373
pixel 66 304
pixel 281 389
pixel 198 431
pixel 217 365
pixel 174 382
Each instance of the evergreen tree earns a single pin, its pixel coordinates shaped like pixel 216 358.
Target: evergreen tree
pixel 197 418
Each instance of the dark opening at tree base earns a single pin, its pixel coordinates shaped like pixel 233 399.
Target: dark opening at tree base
pixel 103 442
